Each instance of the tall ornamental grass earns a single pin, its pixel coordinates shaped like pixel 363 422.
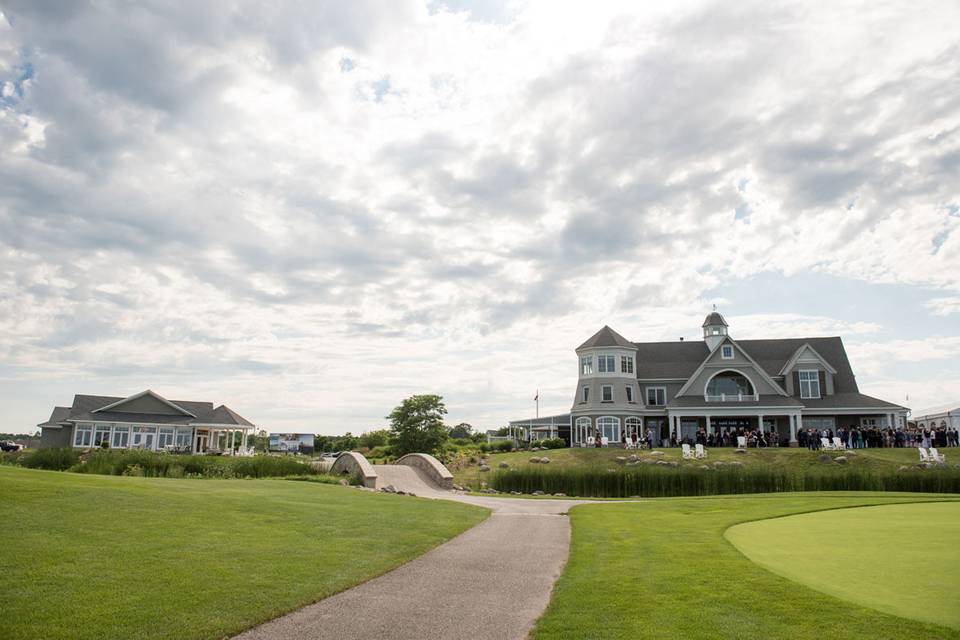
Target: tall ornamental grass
pixel 664 481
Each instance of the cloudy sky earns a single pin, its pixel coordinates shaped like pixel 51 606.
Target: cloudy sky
pixel 309 211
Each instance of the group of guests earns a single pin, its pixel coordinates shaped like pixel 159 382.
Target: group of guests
pixel 876 438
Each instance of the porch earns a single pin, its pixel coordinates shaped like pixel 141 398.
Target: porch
pixel 221 441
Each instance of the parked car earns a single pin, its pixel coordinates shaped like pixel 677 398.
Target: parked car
pixel 9 445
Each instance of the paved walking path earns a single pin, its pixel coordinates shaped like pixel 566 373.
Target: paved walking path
pixel 492 581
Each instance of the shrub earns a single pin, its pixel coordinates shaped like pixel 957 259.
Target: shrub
pixel 553 443
pixel 161 465
pixel 505 445
pixel 50 459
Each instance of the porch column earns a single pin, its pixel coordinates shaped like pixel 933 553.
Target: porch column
pixel 760 422
pixel 709 428
pixel 793 428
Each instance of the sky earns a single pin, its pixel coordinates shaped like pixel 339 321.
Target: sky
pixel 310 211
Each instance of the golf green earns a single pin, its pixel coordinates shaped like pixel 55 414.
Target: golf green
pixel 900 559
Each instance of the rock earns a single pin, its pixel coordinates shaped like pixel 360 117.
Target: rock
pixel 344 482
pixel 515 493
pixel 538 493
pixel 621 459
pixel 904 467
pixel 662 462
pixel 503 464
pixel 544 460
pixel 457 487
pixel 656 453
pixel 560 495
pixel 823 458
pixel 648 461
pixel 739 450
pixel 401 493
pixel 633 463
pixel 633 458
pixel 535 460
pixel 484 468
pixel 389 489
pixel 840 460
pixel 850 452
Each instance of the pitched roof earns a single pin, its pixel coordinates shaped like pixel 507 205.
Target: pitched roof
pixel 607 337
pixel 848 401
pixel 714 318
pixel 764 401
pixel 560 420
pixel 85 408
pixel 58 415
pixel 953 407
pixel 658 360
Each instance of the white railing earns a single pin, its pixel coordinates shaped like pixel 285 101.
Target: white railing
pixel 740 397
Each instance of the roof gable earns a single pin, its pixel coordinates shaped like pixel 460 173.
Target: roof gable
pixel 805 353
pixel 145 402
pixel 607 337
pixel 714 356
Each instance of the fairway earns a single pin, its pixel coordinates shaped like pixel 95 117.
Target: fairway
pixel 901 559
pixel 661 568
pixel 138 558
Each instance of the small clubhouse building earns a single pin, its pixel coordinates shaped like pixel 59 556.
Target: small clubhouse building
pixel 146 420
pixel 677 389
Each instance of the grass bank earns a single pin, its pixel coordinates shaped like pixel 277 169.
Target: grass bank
pixel 92 556
pixel 663 569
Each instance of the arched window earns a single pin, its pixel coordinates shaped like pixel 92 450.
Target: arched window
pixel 730 383
pixel 583 429
pixel 609 427
pixel 631 425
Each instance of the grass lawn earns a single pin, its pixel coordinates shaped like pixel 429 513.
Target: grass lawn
pixel 789 457
pixel 115 557
pixel 663 569
pixel 897 558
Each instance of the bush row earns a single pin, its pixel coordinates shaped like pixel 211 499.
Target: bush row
pixel 162 465
pixel 664 481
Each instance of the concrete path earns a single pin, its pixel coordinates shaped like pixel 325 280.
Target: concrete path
pixel 492 581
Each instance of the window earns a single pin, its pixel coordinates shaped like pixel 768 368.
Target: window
pixel 583 429
pixel 729 383
pixel 656 396
pixel 632 425
pixel 586 365
pixel 81 438
pixel 606 393
pixel 606 364
pixel 143 437
pixel 166 438
pixel 609 428
pixel 629 391
pixel 626 364
pixel 726 352
pixel 101 435
pixel 121 437
pixel 183 438
pixel 586 394
pixel 809 384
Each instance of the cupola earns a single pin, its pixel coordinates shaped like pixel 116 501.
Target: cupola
pixel 714 329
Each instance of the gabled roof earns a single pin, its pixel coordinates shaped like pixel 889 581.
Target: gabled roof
pixel 607 337
pixel 58 415
pixel 796 356
pixel 225 415
pixel 728 340
pixel 557 421
pixel 848 401
pixel 98 408
pixel 150 393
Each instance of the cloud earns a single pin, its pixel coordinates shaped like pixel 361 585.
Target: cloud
pixel 309 199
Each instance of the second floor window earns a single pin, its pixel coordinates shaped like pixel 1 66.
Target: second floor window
pixel 586 394
pixel 626 364
pixel 586 365
pixel 606 392
pixel 656 396
pixel 726 352
pixel 606 364
pixel 809 384
pixel 629 394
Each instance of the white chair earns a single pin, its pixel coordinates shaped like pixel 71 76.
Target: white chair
pixel 924 457
pixel 700 452
pixel 937 457
pixel 838 444
pixel 686 453
pixel 826 445
pixel 741 442
pixel 604 442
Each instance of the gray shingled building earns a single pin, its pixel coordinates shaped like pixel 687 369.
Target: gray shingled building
pixel 145 420
pixel 679 388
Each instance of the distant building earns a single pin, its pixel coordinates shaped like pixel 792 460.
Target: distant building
pixel 947 415
pixel 679 388
pixel 291 443
pixel 145 420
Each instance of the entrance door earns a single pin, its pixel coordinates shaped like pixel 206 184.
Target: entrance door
pixel 201 444
pixel 688 429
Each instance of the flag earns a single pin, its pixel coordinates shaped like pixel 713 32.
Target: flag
pixel 536 397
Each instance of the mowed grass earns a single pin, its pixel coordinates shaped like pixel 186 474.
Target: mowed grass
pixel 115 557
pixel 662 569
pixel 792 458
pixel 902 559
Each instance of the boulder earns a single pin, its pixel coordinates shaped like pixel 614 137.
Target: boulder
pixel 484 468
pixel 633 458
pixel 904 467
pixel 538 493
pixel 389 489
pixel 535 460
pixel 824 458
pixel 344 482
pixel 544 460
pixel 503 464
pixel 840 460
pixel 739 450
pixel 656 453
pixel 560 495
pixel 401 493
pixel 457 487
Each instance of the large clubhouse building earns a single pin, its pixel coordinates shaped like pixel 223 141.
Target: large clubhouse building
pixel 145 420
pixel 675 389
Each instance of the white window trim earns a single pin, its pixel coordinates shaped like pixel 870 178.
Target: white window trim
pixel 585 394
pixel 754 396
pixel 616 425
pixel 626 360
pixel 630 396
pixel 605 358
pixel 723 352
pixel 647 398
pixel 603 394
pixel 86 429
pixel 586 365
pixel 800 381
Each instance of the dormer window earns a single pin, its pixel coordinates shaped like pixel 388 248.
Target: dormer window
pixel 626 364
pixel 726 352
pixel 586 365
pixel 809 384
pixel 606 364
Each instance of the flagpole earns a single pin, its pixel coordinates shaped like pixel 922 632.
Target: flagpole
pixel 538 402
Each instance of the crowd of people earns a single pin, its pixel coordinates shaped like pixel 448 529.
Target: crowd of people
pixel 877 437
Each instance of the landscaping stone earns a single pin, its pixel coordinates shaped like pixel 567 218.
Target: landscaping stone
pixel 560 495
pixel 389 489
pixel 535 460
pixel 823 458
pixel 344 482
pixel 904 467
pixel 840 460
pixel 544 460
pixel 484 468
pixel 656 453
pixel 538 493
pixel 503 464
pixel 739 450
pixel 634 458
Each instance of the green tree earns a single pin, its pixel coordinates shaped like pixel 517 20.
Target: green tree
pixel 416 425
pixel 376 438
pixel 462 430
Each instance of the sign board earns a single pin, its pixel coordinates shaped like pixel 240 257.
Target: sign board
pixel 291 442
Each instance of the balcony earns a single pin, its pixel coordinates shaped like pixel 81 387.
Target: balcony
pixel 739 397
